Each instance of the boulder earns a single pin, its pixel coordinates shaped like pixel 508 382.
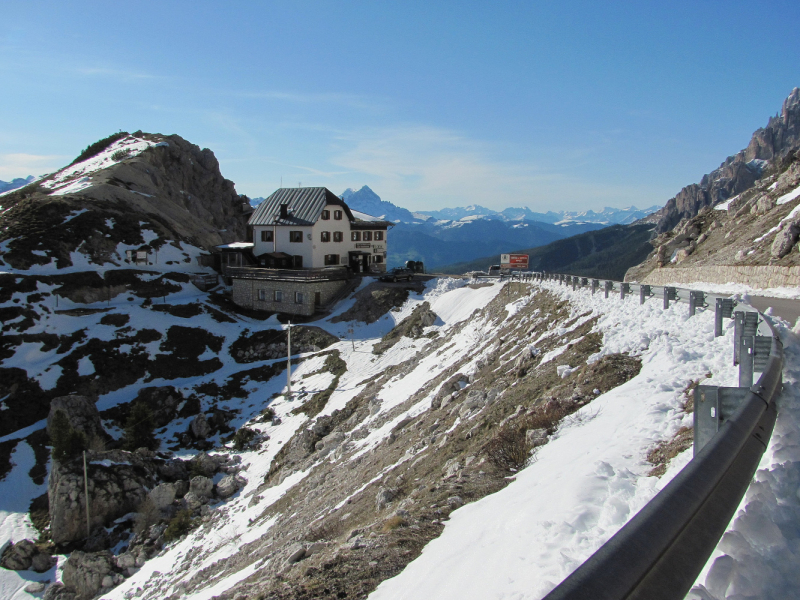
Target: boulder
pixel 19 556
pixel 384 497
pixel 85 573
pixel 785 240
pixel 536 437
pixel 229 485
pixel 37 587
pixel 163 495
pixel 202 487
pixel 82 414
pixel 58 591
pixel 193 502
pixel 199 427
pixel 118 484
pixel 203 464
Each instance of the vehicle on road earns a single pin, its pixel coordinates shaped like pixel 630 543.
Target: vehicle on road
pixel 396 274
pixel 494 270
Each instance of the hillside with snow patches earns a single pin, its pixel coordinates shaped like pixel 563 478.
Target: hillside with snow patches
pixel 381 477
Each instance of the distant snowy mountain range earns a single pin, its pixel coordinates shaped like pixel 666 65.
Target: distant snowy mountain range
pixel 7 186
pixel 365 200
pixel 450 235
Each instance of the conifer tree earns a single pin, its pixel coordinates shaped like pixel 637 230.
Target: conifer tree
pixel 139 428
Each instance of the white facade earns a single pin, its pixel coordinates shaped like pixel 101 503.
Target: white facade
pixel 317 253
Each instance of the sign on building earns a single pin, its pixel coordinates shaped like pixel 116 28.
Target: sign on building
pixel 514 261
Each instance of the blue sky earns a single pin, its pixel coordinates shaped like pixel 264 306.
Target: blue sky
pixel 568 105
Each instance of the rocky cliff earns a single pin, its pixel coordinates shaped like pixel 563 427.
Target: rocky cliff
pixel 739 172
pixel 139 190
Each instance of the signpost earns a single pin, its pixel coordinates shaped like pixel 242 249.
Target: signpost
pixel 514 261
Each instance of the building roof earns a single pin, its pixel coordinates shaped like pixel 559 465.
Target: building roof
pixel 305 206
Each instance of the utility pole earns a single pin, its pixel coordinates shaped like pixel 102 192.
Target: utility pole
pixel 86 493
pixel 289 360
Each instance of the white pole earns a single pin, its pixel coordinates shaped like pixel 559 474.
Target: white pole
pixel 289 359
pixel 86 493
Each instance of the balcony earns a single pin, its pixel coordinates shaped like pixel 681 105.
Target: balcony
pixel 302 275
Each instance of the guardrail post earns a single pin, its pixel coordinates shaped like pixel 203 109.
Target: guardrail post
pixel 738 329
pixel 670 293
pixel 609 287
pixel 746 357
pixel 624 288
pixel 696 299
pixel 574 283
pixel 712 407
pixel 718 318
pixel 595 285
pixel 644 292
pixel 584 282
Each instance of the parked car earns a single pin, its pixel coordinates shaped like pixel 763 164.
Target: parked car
pixel 494 270
pixel 397 273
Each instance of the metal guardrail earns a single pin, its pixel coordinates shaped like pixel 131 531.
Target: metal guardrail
pixel 660 552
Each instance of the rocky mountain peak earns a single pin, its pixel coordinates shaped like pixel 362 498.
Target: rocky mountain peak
pixel 117 190
pixel 738 173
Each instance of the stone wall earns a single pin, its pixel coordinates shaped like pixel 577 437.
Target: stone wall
pixel 754 276
pixel 246 294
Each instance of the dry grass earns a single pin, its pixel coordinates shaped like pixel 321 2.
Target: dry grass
pixel 666 450
pixel 393 523
pixel 688 393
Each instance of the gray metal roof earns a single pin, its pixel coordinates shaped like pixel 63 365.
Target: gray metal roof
pixel 305 206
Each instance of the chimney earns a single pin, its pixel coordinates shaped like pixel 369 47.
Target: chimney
pixel 284 211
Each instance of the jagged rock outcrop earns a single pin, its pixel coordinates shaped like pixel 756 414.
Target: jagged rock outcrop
pixel 87 574
pixel 118 484
pixel 82 414
pixel 739 172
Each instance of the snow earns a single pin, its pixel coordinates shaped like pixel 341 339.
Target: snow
pixel 16 490
pixel 585 484
pixel 591 478
pixel 363 216
pixel 77 177
pixel 726 204
pixel 795 193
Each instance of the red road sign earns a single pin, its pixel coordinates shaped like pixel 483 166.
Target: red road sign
pixel 514 261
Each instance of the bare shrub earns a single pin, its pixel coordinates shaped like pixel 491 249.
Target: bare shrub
pixel 148 515
pixel 393 523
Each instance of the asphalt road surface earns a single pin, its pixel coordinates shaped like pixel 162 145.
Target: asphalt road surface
pixel 784 308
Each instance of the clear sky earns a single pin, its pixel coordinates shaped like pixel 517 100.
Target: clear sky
pixel 552 105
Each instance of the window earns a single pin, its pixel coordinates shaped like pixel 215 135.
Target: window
pixel 326 214
pixel 278 296
pixel 296 236
pixel 338 236
pixel 325 236
pixel 262 294
pixel 344 260
pixel 266 235
pixel 355 236
pixel 378 236
pixel 377 258
pixel 337 215
pixel 367 236
pixel 331 259
pixel 298 297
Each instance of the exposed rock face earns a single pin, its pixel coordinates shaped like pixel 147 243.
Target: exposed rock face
pixel 785 240
pixel 118 483
pixel 86 574
pixel 82 414
pixel 738 173
pixel 173 188
pixel 199 427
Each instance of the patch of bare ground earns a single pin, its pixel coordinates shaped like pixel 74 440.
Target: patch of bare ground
pixel 378 298
pixel 666 450
pixel 358 518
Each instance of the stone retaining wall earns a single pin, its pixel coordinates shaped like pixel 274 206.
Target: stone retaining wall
pixel 246 294
pixel 754 276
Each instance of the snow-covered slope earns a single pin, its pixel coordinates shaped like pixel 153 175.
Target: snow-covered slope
pixel 404 444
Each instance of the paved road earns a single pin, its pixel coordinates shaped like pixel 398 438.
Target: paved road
pixel 783 307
